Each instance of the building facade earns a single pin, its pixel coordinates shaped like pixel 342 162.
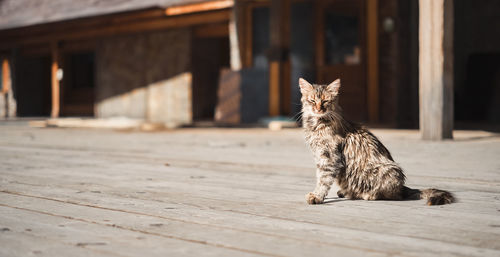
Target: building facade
pixel 179 62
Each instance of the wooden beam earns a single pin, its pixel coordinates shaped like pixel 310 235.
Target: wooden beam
pixel 134 26
pixel 81 24
pixel 372 60
pixel 436 69
pixel 199 7
pixel 114 19
pixel 55 81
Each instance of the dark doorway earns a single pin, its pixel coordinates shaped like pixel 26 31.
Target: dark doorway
pixel 475 62
pixel 78 84
pixel 209 56
pixel 480 101
pixel 32 86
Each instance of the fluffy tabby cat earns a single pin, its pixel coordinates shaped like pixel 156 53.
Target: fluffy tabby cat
pixel 350 155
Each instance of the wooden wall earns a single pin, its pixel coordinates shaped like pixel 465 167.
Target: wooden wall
pixel 128 65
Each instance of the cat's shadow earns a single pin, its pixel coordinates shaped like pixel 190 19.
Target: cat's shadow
pixel 329 200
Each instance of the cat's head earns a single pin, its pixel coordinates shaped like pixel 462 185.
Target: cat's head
pixel 319 100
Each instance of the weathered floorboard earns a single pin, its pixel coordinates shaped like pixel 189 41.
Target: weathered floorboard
pixel 233 193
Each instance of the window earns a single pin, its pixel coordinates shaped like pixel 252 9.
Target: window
pixel 342 42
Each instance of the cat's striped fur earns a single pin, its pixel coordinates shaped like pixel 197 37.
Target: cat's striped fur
pixel 350 155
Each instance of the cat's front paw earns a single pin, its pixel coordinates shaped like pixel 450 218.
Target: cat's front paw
pixel 311 198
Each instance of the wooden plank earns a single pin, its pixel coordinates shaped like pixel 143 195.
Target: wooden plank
pixel 217 172
pixel 70 165
pixel 224 238
pixel 294 170
pixel 55 86
pixel 225 220
pixel 26 233
pixel 52 235
pixel 20 244
pixel 436 69
pixel 177 211
pixel 199 7
pixel 372 60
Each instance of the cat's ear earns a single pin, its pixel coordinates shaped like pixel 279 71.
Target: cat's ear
pixel 334 87
pixel 305 86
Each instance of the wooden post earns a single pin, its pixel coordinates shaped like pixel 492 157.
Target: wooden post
pixel 436 69
pixel 235 56
pixel 5 76
pixel 279 63
pixel 372 61
pixel 55 81
pixel 6 85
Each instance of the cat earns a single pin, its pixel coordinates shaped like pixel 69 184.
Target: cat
pixel 351 155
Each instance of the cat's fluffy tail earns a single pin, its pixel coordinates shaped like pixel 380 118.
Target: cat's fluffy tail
pixel 433 196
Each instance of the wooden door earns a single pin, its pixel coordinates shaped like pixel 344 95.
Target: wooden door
pixel 78 84
pixel 341 52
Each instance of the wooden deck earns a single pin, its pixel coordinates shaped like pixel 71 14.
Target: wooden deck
pixel 232 192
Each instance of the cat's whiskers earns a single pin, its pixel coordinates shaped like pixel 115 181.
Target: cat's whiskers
pixel 298 116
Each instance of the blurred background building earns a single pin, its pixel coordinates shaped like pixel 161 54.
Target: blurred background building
pixel 187 61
